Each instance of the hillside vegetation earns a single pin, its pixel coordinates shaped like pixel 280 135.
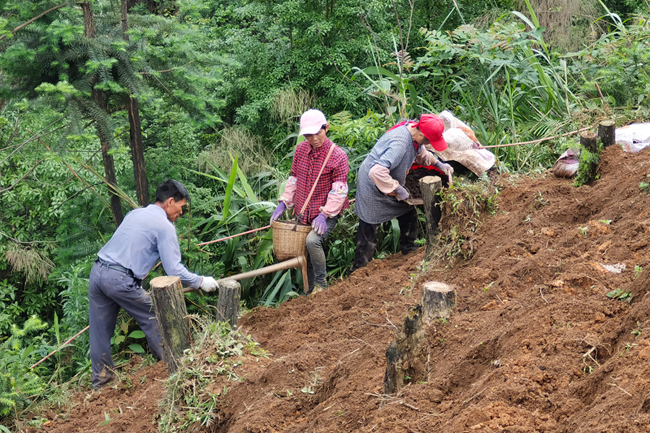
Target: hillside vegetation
pixel 543 337
pixel 99 103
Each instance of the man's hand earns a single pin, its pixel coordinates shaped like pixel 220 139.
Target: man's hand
pixel 401 193
pixel 277 213
pixel 208 284
pixel 319 224
pixel 446 169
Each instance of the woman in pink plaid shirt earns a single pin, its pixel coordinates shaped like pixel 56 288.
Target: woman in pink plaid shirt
pixel 330 197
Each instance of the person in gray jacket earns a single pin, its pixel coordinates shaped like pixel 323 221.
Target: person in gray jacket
pixel 381 195
pixel 145 236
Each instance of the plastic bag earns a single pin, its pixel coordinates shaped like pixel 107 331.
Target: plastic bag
pixel 567 164
pixel 634 137
pixel 463 146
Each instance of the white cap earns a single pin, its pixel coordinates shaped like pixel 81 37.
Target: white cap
pixel 312 121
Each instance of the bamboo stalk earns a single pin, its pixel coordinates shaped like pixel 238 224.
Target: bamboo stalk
pixel 54 351
pixel 234 236
pixel 535 141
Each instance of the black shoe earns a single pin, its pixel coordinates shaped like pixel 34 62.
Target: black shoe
pixel 409 249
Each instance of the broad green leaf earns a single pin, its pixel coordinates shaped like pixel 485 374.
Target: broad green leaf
pixel 136 334
pixel 136 348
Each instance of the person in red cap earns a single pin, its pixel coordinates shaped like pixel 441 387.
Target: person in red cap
pixel 330 196
pixel 380 193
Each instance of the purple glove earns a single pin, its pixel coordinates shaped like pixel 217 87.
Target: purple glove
pixel 401 193
pixel 319 224
pixel 277 213
pixel 445 168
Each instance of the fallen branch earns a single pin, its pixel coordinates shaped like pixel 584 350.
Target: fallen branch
pixel 615 385
pixel 392 400
pixel 24 176
pixel 26 23
pixel 542 294
pixel 62 346
pixel 475 395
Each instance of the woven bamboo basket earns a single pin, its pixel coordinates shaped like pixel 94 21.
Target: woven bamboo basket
pixel 288 243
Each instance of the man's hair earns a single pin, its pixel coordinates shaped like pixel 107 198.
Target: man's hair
pixel 171 188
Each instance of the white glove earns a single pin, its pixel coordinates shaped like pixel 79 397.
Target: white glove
pixel 208 284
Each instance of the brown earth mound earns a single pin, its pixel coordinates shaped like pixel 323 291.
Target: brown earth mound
pixel 534 344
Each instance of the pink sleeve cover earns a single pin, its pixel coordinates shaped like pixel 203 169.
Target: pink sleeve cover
pixel 380 176
pixel 335 199
pixel 289 192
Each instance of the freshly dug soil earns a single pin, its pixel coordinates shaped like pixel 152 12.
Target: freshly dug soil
pixel 413 178
pixel 535 344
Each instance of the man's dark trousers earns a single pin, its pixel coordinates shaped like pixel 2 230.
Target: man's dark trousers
pixel 108 290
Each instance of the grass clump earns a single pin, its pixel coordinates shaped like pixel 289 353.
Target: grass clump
pixel 194 392
pixel 461 208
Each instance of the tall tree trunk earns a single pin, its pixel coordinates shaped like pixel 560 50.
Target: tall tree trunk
pixel 102 130
pixel 135 133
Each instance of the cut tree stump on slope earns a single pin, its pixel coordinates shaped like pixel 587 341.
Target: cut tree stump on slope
pixel 589 161
pixel 169 303
pixel 438 299
pixel 228 304
pixel 429 187
pixel 405 359
pixel 607 132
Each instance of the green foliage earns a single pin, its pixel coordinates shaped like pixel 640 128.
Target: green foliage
pixel 122 333
pixel 616 65
pixel 504 83
pixel 621 295
pixel 587 170
pixel 357 137
pixel 18 383
pixel 190 399
pixel 637 270
pixel 9 308
pixel 75 305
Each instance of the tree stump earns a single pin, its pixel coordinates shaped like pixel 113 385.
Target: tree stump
pixel 438 299
pixel 589 158
pixel 607 132
pixel 169 303
pixel 228 304
pixel 429 187
pixel 588 140
pixel 405 360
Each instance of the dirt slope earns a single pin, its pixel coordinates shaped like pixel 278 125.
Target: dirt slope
pixel 534 344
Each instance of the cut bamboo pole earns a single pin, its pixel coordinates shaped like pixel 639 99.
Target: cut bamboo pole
pixel 299 262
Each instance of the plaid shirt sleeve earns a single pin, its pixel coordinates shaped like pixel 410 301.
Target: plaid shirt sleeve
pixel 307 163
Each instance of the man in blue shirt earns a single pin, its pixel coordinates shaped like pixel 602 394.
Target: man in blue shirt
pixel 145 236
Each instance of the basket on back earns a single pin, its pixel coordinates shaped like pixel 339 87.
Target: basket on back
pixel 288 243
